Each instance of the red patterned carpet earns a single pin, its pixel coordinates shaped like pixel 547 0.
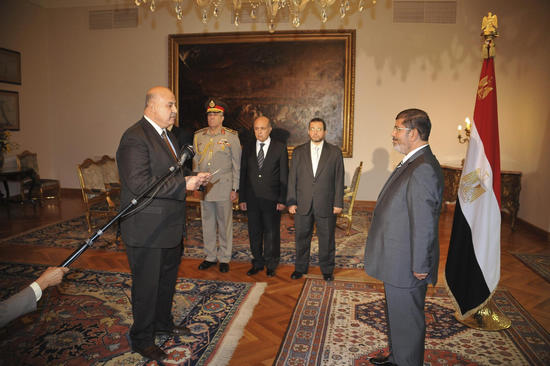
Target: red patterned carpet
pixel 343 323
pixel 85 320
pixel 73 233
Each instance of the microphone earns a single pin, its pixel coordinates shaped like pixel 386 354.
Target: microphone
pixel 187 152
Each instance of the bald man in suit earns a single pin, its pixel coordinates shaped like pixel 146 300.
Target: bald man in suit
pixel 153 231
pixel 402 248
pixel 316 195
pixel 262 192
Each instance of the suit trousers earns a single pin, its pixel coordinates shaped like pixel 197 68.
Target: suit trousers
pixel 154 275
pixel 406 324
pixel 264 232
pixel 327 245
pixel 217 216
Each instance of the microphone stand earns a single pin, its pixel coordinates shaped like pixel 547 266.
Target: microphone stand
pixel 90 241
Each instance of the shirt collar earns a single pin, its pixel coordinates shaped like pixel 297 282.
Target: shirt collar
pixel 266 142
pixel 412 153
pixel 157 127
pixel 313 146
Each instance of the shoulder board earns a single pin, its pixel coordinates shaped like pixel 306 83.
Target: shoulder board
pixel 201 130
pixel 232 131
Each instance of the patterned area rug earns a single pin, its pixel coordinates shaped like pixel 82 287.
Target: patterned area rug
pixel 73 233
pixel 343 323
pixel 539 263
pixel 85 320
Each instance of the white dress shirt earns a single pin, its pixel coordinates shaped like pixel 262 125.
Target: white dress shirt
pixel 316 155
pixel 266 146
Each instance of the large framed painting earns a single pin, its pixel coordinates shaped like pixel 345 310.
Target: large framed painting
pixel 290 77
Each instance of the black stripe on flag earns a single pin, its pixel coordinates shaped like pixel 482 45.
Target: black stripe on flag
pixel 462 271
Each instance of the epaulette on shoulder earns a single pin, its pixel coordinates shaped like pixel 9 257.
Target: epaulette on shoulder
pixel 201 130
pixel 232 131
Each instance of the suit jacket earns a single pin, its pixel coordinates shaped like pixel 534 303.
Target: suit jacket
pixel 403 237
pixel 322 192
pixel 270 182
pixel 13 307
pixel 143 157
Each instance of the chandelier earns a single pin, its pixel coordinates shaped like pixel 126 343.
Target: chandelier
pixel 272 8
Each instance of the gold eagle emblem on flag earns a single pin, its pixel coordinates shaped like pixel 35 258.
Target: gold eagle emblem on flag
pixel 484 87
pixel 471 187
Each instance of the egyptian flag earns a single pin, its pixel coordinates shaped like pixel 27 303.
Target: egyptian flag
pixel 473 262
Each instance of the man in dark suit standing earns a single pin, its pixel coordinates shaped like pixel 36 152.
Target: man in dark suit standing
pixel 153 231
pixel 262 192
pixel 316 194
pixel 402 248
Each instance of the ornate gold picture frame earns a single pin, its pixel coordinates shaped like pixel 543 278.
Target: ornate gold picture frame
pixel 290 77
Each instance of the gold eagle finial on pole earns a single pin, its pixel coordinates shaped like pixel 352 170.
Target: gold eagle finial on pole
pixel 489 31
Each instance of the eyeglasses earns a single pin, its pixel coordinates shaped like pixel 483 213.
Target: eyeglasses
pixel 396 129
pixel 316 129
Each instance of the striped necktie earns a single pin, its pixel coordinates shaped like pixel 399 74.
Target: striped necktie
pixel 261 156
pixel 165 138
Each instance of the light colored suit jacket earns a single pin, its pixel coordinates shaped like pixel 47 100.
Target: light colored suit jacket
pixel 13 307
pixel 403 237
pixel 322 192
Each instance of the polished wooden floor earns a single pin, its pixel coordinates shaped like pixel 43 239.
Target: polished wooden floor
pixel 266 328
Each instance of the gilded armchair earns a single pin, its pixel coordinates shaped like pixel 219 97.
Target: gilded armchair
pixel 99 186
pixel 349 198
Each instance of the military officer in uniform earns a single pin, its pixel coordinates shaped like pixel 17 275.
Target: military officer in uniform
pixel 217 151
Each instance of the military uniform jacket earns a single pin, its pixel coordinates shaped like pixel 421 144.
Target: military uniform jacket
pixel 219 151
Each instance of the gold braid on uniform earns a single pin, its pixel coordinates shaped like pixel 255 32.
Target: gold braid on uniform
pixel 202 153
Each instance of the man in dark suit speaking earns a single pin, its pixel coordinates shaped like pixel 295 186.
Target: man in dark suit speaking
pixel 402 248
pixel 153 231
pixel 262 192
pixel 316 194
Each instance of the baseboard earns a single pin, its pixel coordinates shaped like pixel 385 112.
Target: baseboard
pixel 534 229
pixel 364 205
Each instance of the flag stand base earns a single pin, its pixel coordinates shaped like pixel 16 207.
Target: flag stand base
pixel 487 318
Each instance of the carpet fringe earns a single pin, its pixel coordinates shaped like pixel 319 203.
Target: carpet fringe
pixel 230 340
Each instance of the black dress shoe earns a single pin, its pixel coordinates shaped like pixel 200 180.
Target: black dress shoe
pixel 178 330
pixel 270 272
pixel 206 265
pixel 151 352
pixel 224 267
pixel 381 361
pixel 253 271
pixel 328 277
pixel 296 275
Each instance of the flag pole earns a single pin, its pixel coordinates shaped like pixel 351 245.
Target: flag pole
pixel 488 317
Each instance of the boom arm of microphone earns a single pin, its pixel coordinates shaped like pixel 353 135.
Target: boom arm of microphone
pixel 187 152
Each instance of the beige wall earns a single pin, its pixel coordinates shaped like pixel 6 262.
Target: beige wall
pixel 81 88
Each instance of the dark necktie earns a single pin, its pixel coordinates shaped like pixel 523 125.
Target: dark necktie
pixel 261 155
pixel 165 138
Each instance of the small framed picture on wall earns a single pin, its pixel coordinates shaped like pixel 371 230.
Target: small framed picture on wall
pixel 9 110
pixel 10 66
